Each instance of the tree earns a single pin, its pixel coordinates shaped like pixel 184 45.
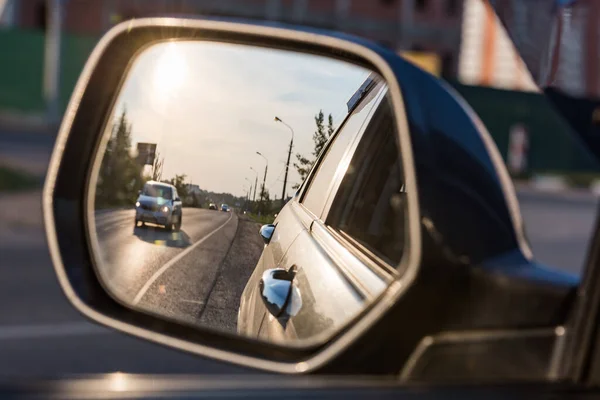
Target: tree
pixel 179 182
pixel 120 175
pixel 330 127
pixel 264 206
pixel 157 167
pixel 320 136
pixel 303 165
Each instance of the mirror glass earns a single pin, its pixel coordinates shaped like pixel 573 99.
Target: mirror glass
pixel 194 164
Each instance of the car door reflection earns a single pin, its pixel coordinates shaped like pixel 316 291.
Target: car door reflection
pixel 160 237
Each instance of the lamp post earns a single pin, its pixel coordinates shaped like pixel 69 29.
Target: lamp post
pixel 255 183
pixel 262 191
pixel 287 166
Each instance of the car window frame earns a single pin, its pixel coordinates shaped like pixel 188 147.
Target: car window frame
pixel 363 269
pixel 336 182
pixel 380 87
pixel 368 256
pixel 375 263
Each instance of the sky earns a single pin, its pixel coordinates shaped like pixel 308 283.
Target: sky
pixel 210 107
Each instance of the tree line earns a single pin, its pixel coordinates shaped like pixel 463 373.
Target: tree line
pixel 121 174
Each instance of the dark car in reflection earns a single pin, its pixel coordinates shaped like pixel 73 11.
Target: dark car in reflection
pixel 159 203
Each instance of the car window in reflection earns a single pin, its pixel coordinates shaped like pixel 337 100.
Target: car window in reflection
pixel 157 191
pixel 370 203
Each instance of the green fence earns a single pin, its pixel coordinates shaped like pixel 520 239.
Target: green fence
pixel 553 146
pixel 22 67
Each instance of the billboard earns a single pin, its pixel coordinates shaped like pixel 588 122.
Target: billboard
pixel 146 153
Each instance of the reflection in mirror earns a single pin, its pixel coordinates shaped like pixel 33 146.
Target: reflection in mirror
pixel 193 164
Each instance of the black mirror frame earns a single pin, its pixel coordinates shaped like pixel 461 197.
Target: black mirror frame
pixel 66 206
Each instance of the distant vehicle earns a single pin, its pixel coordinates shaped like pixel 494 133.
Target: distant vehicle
pixel 212 206
pixel 159 203
pixel 224 207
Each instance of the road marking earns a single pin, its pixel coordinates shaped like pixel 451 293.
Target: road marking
pixel 173 261
pixel 191 301
pixel 10 332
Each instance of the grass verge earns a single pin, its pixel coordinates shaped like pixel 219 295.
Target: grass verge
pixel 263 219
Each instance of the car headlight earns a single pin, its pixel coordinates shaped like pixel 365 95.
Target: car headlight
pixel 137 203
pixel 165 209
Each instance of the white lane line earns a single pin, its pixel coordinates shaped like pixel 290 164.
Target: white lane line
pixel 10 332
pixel 191 301
pixel 173 261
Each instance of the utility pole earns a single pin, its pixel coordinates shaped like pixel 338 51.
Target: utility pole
pixel 248 193
pixel 255 184
pixel 287 166
pixel 52 58
pixel 262 190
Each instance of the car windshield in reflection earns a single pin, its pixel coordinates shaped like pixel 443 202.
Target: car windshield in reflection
pixel 161 191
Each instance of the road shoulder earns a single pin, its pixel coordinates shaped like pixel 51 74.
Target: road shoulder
pixel 224 300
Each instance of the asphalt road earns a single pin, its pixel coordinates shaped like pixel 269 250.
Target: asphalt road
pixel 176 273
pixel 27 151
pixel 559 226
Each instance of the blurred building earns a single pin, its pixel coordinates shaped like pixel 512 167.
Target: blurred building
pixel 431 26
pixel 488 56
pixel 559 41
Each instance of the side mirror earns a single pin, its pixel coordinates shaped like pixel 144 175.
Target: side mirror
pixel 139 192
pixel 266 232
pixel 163 56
pixel 275 289
pixel 206 294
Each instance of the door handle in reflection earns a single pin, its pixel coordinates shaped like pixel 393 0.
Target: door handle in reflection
pixel 278 292
pixel 266 232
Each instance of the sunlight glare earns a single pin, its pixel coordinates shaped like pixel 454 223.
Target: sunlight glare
pixel 170 71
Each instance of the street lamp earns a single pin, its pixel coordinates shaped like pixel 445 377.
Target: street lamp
pixel 287 167
pixel 262 191
pixel 255 183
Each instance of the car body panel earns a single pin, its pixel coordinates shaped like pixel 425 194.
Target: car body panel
pixel 333 284
pixel 290 222
pixel 254 386
pixel 329 300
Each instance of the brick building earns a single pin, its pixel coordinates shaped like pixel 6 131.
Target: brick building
pixel 417 25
